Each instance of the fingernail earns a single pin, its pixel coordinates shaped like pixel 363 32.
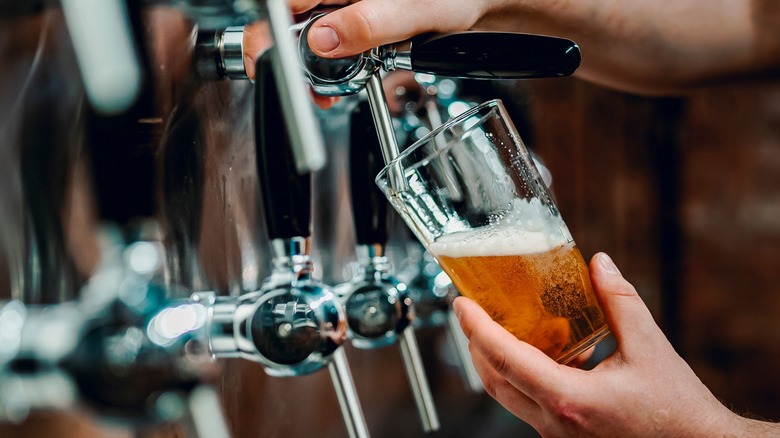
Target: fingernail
pixel 324 39
pixel 607 264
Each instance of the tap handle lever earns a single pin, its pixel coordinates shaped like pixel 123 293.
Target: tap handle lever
pixel 300 121
pixel 489 55
pixel 286 193
pixel 369 205
pixel 461 345
pixel 418 381
pixel 351 411
pixel 206 415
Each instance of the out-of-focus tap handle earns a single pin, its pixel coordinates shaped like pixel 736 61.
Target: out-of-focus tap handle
pixel 418 381
pixel 123 127
pixel 286 193
pixel 341 377
pixel 461 344
pixel 206 414
pixel 106 52
pixel 369 204
pixel 303 129
pixel 488 55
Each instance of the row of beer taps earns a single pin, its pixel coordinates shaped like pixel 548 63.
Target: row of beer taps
pixel 127 349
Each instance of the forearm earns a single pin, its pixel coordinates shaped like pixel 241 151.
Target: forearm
pixel 759 429
pixel 647 47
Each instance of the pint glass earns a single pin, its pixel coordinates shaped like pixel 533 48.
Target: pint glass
pixel 471 194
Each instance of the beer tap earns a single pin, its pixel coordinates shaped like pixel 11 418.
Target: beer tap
pixel 379 308
pixel 294 325
pixel 475 55
pixel 479 55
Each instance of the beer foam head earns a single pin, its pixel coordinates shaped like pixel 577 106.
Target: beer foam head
pixel 526 226
pixel 507 240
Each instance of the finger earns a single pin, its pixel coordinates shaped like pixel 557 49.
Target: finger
pixel 257 38
pixel 371 23
pixel 521 364
pixel 298 6
pixel 503 392
pixel 627 315
pixel 324 102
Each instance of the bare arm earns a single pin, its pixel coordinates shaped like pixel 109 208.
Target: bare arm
pixel 643 46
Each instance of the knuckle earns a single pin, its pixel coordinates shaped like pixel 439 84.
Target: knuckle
pixel 565 412
pixel 491 386
pixel 497 360
pixel 362 25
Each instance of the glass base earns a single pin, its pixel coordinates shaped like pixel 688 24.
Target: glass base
pixel 586 343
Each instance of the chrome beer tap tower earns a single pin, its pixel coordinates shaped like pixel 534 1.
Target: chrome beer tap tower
pixel 155 219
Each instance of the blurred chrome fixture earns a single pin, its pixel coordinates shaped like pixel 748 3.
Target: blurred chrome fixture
pixel 106 52
pixel 219 14
pixel 123 350
pixel 231 49
pixel 220 54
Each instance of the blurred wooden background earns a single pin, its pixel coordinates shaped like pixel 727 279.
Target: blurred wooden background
pixel 684 193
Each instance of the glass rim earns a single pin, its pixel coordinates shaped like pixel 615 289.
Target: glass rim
pixel 432 134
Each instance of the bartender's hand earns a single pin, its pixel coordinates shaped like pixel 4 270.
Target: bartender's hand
pixel 371 23
pixel 642 46
pixel 644 389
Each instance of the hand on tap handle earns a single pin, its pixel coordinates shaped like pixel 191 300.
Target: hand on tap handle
pixel 477 55
pixel 646 47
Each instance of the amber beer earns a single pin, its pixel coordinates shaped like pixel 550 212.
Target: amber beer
pixel 533 283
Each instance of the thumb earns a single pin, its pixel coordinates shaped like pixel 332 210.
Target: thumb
pixel 628 317
pixel 370 23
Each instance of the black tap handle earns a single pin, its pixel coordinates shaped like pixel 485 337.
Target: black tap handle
pixel 369 205
pixel 286 194
pixel 494 55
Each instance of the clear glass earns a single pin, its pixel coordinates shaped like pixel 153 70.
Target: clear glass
pixel 472 195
